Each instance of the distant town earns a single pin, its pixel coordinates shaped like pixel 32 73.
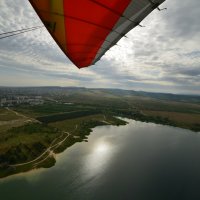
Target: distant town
pixel 13 100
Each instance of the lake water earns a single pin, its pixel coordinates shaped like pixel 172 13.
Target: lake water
pixel 139 161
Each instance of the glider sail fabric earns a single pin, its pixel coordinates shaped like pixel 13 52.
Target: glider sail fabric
pixel 86 29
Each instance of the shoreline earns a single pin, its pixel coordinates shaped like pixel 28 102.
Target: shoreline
pixel 124 121
pixel 49 160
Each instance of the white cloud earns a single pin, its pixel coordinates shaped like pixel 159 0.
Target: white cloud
pixel 163 56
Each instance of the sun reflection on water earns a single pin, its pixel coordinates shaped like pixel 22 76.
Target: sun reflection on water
pixel 98 160
pixel 101 148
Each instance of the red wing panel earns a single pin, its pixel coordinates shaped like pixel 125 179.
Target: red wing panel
pixel 87 25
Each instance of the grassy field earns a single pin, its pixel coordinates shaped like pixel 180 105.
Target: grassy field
pixel 7 115
pixel 9 119
pixel 28 141
pixel 184 120
pixel 146 103
pixel 74 126
pixel 71 124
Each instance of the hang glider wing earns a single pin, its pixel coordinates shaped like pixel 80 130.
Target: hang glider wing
pixel 86 29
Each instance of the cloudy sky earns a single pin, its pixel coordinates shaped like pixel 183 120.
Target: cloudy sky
pixel 162 57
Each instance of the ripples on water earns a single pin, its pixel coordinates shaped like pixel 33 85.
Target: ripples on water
pixel 138 161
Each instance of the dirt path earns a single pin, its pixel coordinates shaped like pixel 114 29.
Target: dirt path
pixel 104 121
pixel 41 161
pixel 28 119
pixel 48 151
pixel 16 113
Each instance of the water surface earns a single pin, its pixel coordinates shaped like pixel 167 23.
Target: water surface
pixel 139 161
